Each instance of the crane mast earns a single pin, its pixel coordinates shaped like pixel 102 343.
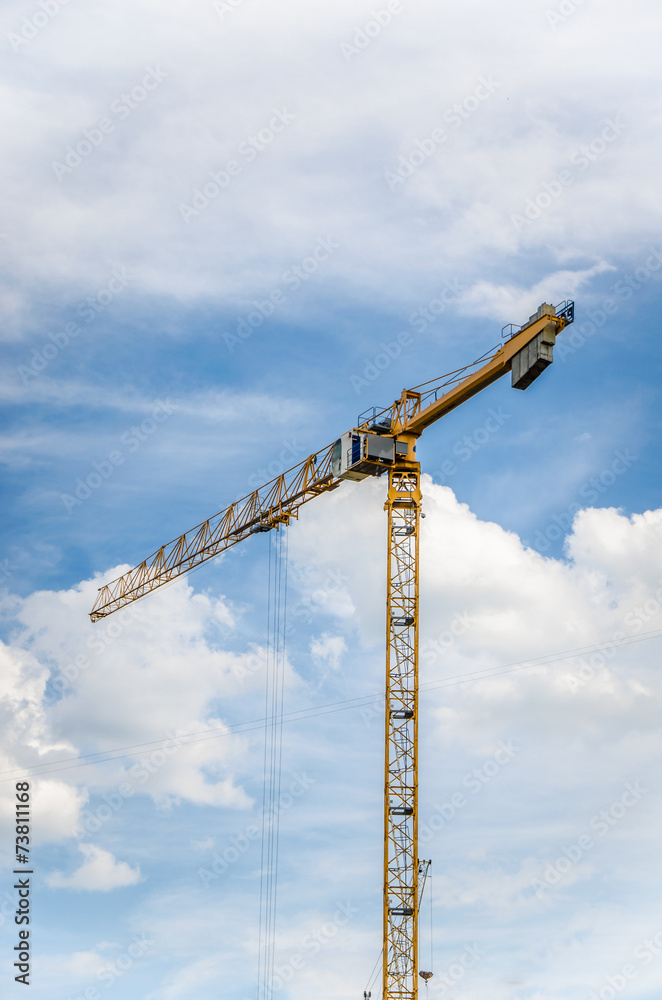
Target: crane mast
pixel 384 442
pixel 401 758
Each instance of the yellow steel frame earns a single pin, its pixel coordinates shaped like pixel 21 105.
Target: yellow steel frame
pixel 401 868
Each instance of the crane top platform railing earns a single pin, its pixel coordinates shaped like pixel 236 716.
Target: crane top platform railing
pixel 564 310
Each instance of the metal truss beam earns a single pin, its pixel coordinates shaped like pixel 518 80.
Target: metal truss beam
pixel 401 900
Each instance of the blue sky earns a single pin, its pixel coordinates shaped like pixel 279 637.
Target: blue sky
pixel 226 230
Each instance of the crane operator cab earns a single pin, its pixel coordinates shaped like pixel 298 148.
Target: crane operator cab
pixel 357 455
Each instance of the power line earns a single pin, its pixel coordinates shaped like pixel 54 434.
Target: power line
pixel 239 728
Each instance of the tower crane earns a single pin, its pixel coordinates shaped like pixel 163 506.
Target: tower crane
pixel 382 443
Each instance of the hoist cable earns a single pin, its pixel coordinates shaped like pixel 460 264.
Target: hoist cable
pixel 372 979
pixel 272 763
pixel 273 751
pixel 431 927
pixel 263 880
pixel 280 675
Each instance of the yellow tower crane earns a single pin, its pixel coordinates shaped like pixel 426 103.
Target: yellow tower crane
pixel 383 442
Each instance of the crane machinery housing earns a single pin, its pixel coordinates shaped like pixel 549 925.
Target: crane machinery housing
pixel 382 443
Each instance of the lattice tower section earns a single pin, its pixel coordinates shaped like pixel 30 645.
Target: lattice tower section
pixel 401 783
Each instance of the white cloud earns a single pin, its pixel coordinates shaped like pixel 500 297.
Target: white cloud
pixel 79 965
pixel 57 809
pixel 585 723
pixel 508 302
pixel 519 605
pixel 328 650
pixel 626 549
pixel 189 979
pixel 497 889
pixel 204 846
pixel 122 684
pixel 209 407
pixel 324 174
pixel 28 740
pixel 100 871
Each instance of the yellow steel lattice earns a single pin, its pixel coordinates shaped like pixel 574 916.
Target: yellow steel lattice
pixel 401 777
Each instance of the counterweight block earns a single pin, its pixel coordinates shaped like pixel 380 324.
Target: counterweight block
pixel 538 354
